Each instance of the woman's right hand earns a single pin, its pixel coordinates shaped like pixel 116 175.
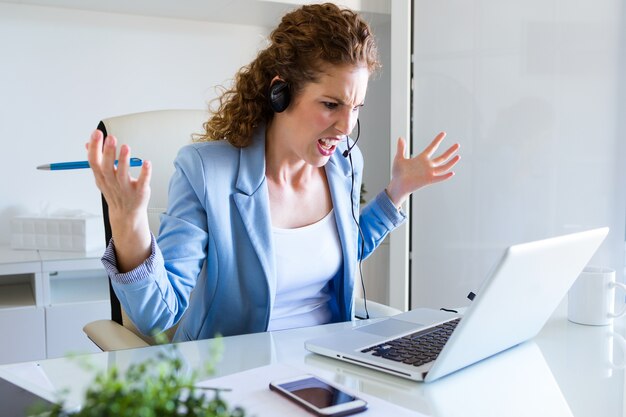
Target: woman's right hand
pixel 127 198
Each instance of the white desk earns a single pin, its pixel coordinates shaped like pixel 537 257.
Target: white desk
pixel 565 371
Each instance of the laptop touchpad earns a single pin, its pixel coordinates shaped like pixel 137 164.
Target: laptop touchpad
pixel 389 327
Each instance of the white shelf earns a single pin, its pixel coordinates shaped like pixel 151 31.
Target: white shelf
pixel 17 256
pixel 78 287
pixel 18 261
pixel 15 296
pixel 53 261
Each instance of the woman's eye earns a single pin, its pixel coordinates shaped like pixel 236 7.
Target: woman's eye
pixel 330 105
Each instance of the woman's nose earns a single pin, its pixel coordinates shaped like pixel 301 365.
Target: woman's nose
pixel 346 121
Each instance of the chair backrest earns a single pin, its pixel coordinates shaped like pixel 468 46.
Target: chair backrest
pixel 155 136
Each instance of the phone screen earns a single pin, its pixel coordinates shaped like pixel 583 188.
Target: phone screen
pixel 317 392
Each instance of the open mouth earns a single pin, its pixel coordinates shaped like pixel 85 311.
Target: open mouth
pixel 327 146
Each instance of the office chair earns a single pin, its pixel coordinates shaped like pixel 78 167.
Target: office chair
pixel 157 136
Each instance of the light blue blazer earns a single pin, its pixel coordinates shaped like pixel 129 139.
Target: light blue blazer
pixel 212 268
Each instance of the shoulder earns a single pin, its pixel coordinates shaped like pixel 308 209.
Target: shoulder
pixel 208 150
pixel 207 155
pixel 204 163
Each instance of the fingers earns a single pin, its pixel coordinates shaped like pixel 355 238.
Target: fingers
pixel 94 148
pixel 123 163
pixel 145 174
pixel 413 173
pixel 443 177
pixel 94 156
pixel 446 155
pixel 102 160
pixel 445 169
pixel 400 148
pixel 109 151
pixel 432 147
pixel 444 162
pixel 441 166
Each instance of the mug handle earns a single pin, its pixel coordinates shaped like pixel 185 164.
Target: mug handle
pixel 623 287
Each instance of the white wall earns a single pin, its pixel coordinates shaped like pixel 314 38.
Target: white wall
pixel 374 143
pixel 374 119
pixel 534 92
pixel 63 70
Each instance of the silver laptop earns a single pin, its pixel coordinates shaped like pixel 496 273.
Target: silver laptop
pixel 512 305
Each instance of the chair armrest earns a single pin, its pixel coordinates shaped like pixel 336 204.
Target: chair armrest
pixel 375 309
pixel 109 335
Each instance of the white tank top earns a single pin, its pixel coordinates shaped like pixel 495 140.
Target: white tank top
pixel 306 259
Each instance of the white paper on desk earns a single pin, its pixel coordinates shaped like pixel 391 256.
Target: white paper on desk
pixel 250 390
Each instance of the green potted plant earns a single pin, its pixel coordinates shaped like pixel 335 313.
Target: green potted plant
pixel 156 387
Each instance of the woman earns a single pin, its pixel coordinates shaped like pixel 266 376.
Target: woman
pixel 260 221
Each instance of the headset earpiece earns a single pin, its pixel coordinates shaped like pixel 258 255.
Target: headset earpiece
pixel 279 96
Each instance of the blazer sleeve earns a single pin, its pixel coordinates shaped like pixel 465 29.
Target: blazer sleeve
pixel 156 293
pixel 378 218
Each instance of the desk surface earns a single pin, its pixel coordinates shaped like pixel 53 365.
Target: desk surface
pixel 567 370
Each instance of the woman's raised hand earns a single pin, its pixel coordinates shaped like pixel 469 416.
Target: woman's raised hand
pixel 411 174
pixel 127 198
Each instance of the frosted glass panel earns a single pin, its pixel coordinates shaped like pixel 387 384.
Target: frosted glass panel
pixel 535 93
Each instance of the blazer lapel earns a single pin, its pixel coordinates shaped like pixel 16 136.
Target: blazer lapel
pixel 338 174
pixel 252 201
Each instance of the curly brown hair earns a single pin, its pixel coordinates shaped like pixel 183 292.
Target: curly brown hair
pixel 304 42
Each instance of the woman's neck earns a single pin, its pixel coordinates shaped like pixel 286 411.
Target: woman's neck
pixel 282 165
pixel 298 191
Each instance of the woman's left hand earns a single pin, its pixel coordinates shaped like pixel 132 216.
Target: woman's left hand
pixel 411 174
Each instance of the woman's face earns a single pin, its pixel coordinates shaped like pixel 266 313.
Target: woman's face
pixel 322 114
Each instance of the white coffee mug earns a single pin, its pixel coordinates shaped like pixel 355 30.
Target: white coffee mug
pixel 591 300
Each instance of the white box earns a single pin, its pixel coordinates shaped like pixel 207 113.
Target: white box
pixel 79 234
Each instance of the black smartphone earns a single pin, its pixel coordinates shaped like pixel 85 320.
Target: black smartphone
pixel 320 397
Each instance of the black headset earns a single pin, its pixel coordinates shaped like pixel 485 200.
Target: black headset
pixel 279 96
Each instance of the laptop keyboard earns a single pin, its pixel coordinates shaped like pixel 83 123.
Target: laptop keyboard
pixel 416 348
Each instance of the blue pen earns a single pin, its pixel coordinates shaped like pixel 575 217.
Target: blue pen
pixel 57 166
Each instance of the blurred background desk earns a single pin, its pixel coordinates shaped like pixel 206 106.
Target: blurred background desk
pixel 568 370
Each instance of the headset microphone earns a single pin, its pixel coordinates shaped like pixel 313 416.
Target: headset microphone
pixel 350 147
